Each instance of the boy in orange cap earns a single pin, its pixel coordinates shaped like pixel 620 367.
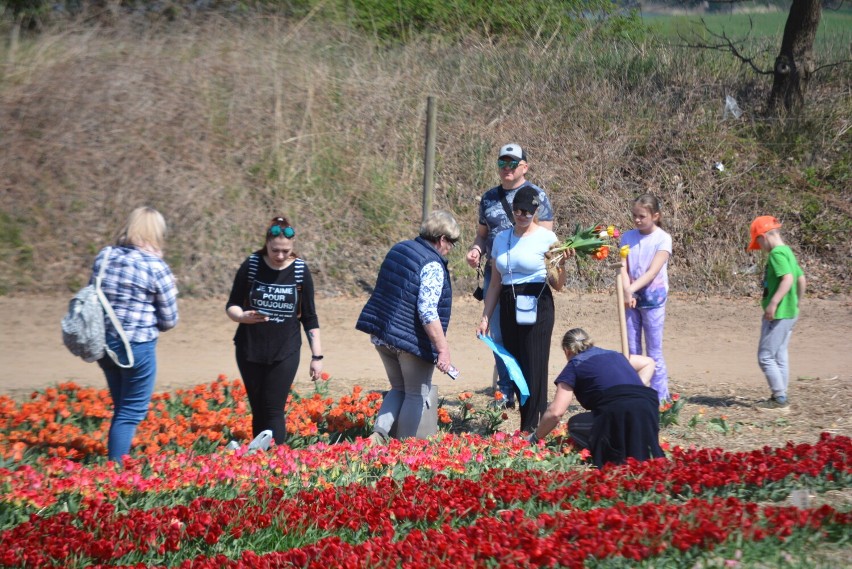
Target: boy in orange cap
pixel 783 287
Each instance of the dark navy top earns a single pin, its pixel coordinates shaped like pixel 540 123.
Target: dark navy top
pixel 591 372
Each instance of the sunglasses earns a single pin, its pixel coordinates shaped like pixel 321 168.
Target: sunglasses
pixel 511 164
pixel 452 242
pixel 278 231
pixel 523 212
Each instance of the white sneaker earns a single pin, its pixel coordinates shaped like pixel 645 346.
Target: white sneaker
pixel 261 441
pixel 233 445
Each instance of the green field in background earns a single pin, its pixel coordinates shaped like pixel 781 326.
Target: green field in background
pixel 835 28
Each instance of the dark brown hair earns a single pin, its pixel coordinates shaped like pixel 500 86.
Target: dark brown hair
pixel 280 221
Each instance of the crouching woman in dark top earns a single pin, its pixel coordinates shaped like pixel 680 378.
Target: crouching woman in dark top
pixel 624 418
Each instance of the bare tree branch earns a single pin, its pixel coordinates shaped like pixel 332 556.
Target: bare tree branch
pixel 726 44
pixel 833 64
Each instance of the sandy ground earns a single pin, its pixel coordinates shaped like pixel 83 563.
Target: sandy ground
pixel 710 349
pixel 708 342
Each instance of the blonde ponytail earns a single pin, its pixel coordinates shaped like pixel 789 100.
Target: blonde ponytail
pixel 576 341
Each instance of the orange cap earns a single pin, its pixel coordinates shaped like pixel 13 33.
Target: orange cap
pixel 760 226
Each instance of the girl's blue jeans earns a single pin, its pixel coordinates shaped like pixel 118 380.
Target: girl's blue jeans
pixel 131 391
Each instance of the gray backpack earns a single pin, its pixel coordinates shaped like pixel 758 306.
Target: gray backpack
pixel 83 327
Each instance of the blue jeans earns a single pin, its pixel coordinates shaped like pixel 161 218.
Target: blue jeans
pixel 131 391
pixel 404 406
pixel 504 382
pixel 772 353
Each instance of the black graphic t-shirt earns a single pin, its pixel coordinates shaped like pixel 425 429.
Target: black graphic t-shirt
pixel 278 301
pixel 286 296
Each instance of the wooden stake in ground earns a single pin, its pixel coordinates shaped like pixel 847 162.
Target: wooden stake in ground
pixel 622 319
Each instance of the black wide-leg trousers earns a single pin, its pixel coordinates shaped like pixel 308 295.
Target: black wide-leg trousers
pixel 530 345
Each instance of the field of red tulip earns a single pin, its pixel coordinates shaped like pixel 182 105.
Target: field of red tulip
pixel 472 497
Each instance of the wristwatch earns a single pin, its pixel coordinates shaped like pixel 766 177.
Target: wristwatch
pixel 317 358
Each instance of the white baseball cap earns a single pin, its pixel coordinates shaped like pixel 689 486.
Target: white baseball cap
pixel 513 150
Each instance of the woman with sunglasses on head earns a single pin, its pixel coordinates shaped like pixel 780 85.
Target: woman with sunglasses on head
pixel 526 303
pixel 407 318
pixel 271 299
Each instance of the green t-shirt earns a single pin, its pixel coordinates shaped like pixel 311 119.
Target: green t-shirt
pixel 782 262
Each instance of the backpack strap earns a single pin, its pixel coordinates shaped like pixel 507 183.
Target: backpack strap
pixel 112 317
pixel 299 267
pixel 300 272
pixel 254 262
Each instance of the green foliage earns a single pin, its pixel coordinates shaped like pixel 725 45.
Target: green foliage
pixel 23 9
pixel 670 411
pixel 16 255
pixel 737 25
pixel 405 19
pixel 754 30
pixel 719 424
pixel 821 226
pixel 462 416
pixel 400 20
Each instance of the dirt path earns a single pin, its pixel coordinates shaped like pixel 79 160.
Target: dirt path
pixel 707 342
pixel 710 346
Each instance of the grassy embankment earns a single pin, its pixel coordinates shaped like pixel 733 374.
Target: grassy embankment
pixel 222 123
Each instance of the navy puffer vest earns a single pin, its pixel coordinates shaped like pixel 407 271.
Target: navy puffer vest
pixel 391 313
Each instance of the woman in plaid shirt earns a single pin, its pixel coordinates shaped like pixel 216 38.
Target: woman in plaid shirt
pixel 142 291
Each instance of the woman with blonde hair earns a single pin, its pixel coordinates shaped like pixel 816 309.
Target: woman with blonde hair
pixel 141 288
pixel 145 229
pixel 624 419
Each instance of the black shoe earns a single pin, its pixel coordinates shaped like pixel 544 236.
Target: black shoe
pixel 510 404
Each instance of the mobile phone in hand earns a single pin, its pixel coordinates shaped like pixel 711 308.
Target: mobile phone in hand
pixel 263 312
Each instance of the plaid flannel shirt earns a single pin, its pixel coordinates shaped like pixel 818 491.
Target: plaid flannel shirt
pixel 142 290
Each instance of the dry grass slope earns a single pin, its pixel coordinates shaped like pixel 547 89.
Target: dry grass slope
pixel 221 124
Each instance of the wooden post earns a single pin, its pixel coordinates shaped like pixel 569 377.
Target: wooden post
pixel 622 319
pixel 429 160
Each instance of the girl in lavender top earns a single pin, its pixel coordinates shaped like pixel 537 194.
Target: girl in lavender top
pixel 646 286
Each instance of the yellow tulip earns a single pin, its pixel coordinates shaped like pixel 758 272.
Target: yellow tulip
pixel 624 251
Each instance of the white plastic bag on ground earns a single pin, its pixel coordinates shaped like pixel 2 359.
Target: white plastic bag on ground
pixel 731 108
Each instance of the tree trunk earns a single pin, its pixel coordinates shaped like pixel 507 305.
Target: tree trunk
pixel 795 64
pixel 14 38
